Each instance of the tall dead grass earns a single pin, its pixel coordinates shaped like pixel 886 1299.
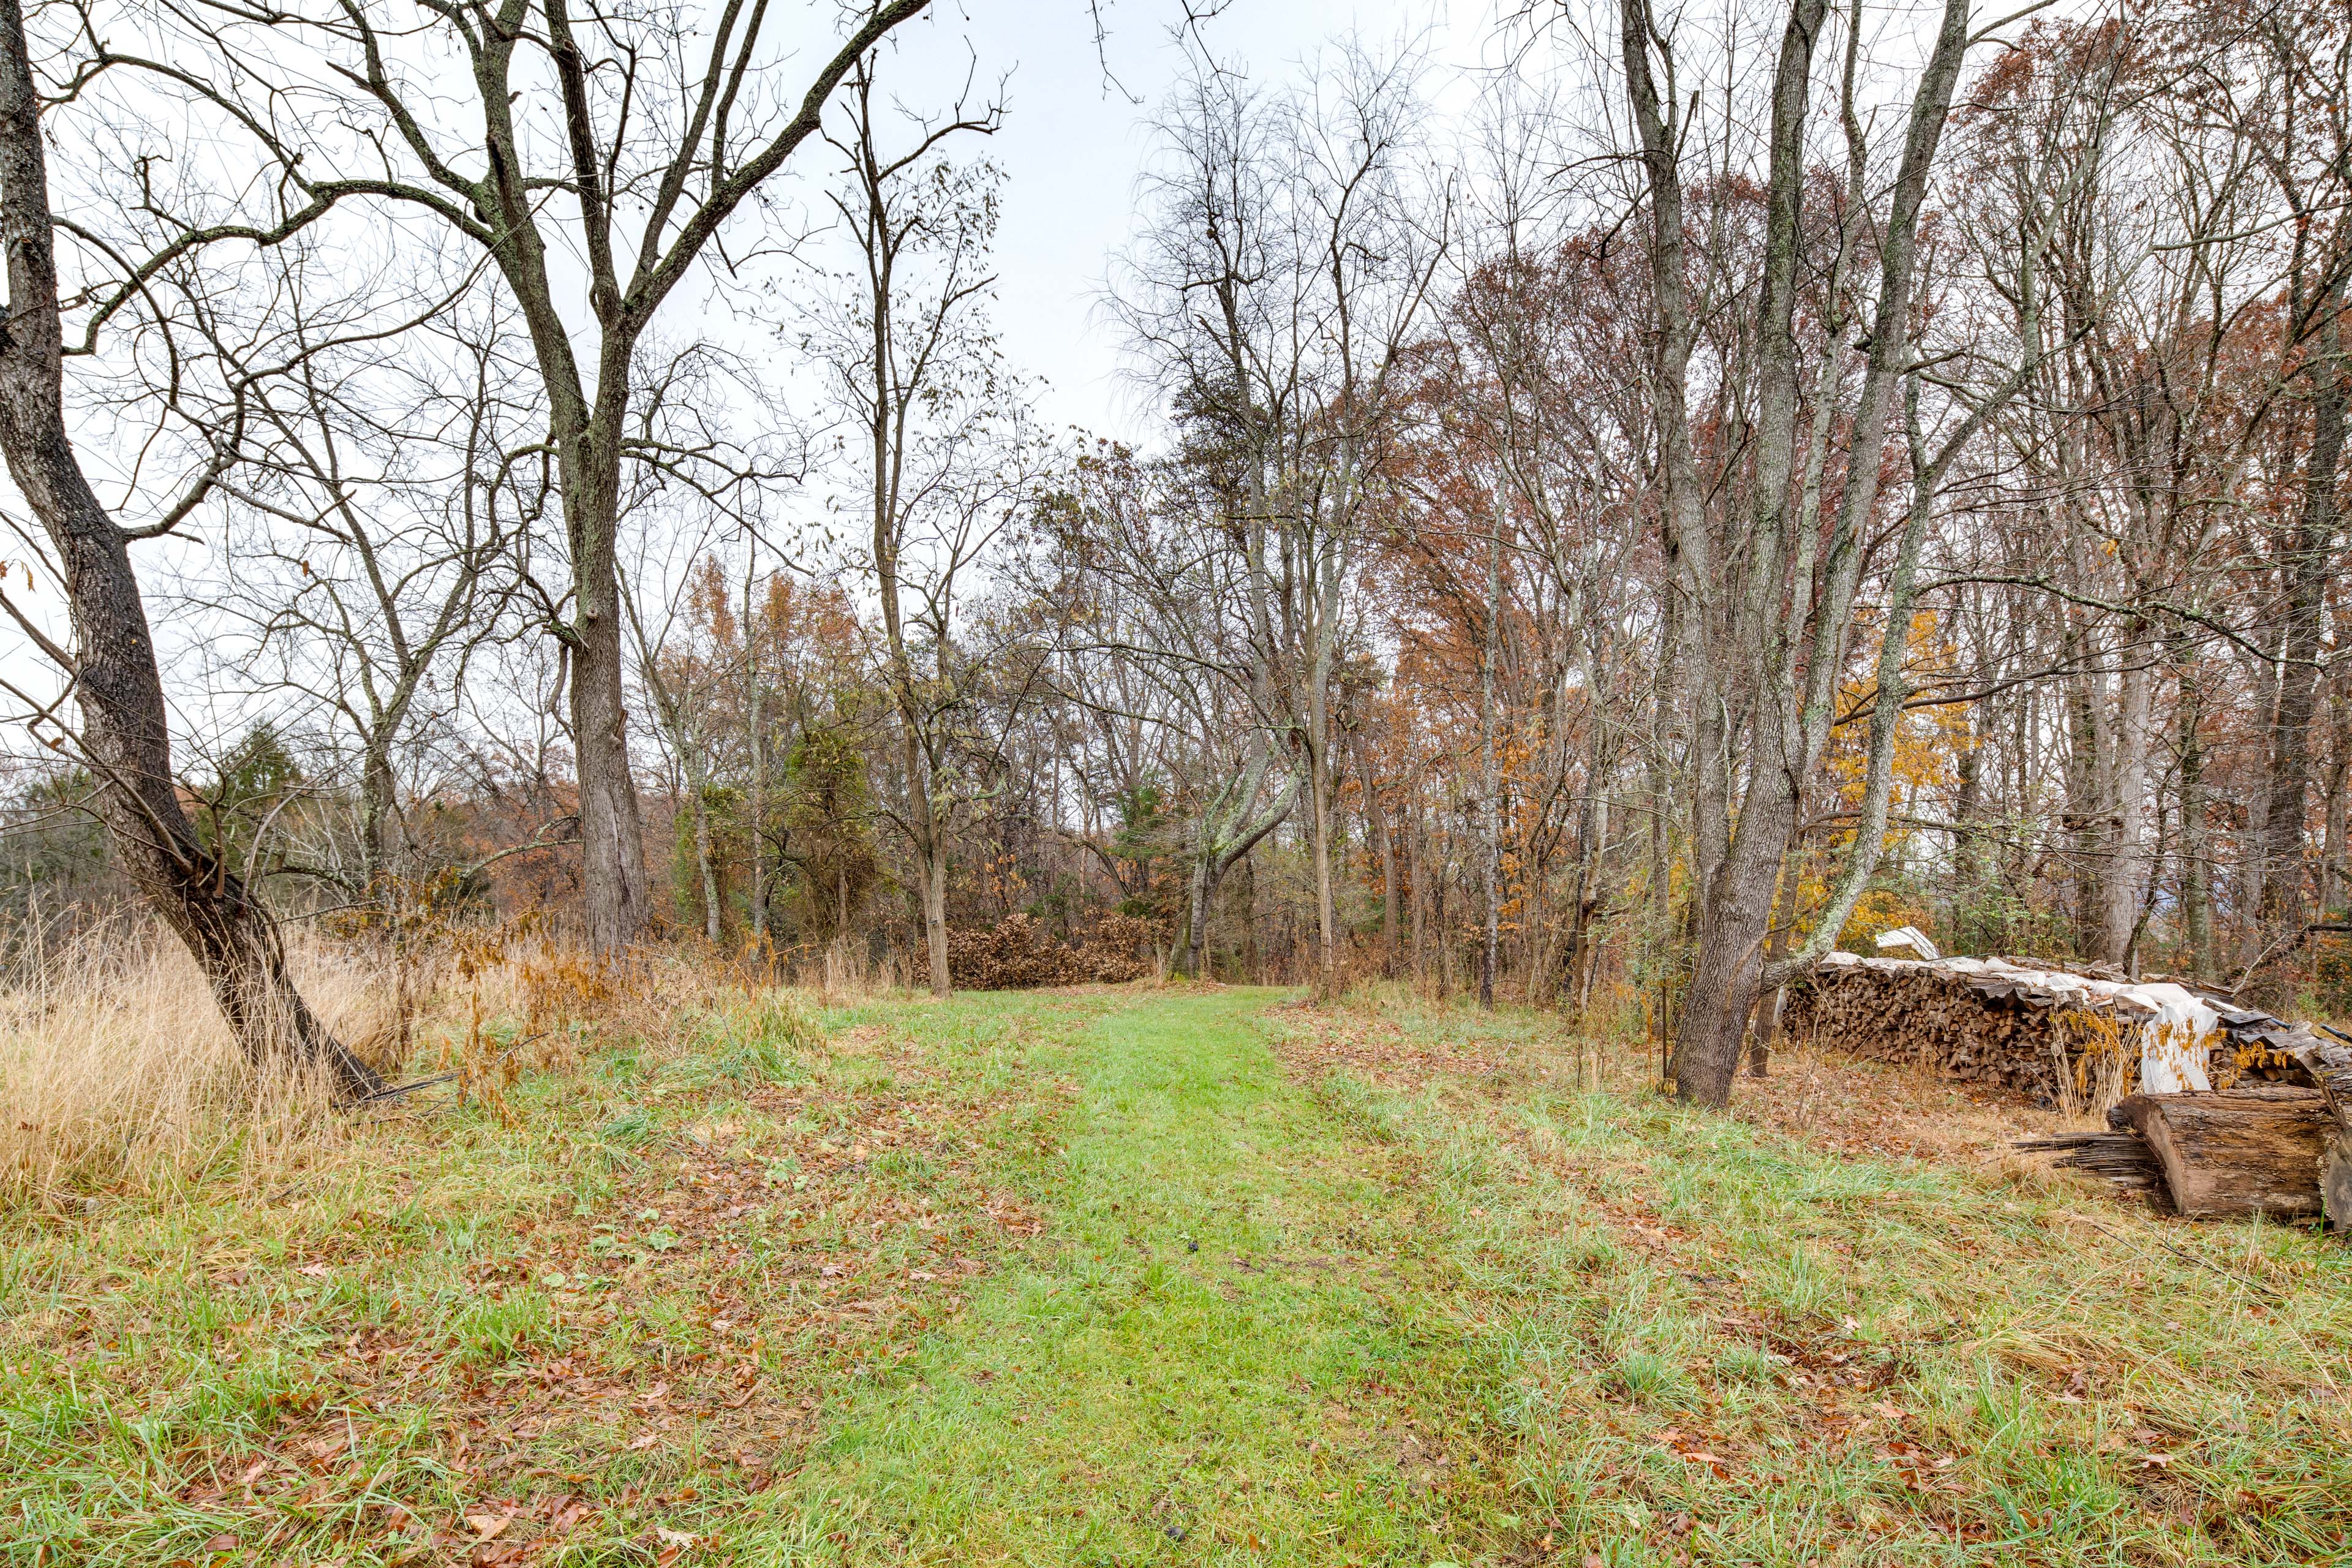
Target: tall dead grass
pixel 117 1074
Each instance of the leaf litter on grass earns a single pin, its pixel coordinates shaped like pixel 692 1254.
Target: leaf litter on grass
pixel 622 1343
pixel 1590 1327
pixel 1859 1341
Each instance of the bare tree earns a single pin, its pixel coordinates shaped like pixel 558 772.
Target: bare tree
pixel 389 469
pixel 661 144
pixel 1152 633
pixel 124 735
pixel 1292 250
pixel 941 453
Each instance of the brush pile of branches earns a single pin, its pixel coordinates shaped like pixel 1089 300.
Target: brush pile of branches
pixel 1019 954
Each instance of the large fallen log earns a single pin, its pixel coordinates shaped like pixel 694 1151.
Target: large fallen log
pixel 2250 1151
pixel 2329 1063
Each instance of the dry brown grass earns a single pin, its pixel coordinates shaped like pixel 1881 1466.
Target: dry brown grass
pixel 116 1073
pixel 117 1077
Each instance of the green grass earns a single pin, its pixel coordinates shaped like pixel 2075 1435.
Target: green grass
pixel 1135 1277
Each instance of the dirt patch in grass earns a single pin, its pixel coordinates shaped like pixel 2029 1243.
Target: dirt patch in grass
pixel 1381 1048
pixel 1812 1093
pixel 1871 1111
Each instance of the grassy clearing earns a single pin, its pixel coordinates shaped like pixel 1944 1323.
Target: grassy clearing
pixel 1702 1339
pixel 1129 1276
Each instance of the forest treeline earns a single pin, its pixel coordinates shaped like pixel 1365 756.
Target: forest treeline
pixel 1728 492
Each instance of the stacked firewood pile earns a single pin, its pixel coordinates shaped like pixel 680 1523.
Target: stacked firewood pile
pixel 2067 1039
pixel 1019 954
pixel 2237 1112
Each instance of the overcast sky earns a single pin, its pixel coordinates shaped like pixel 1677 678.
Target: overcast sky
pixel 1072 145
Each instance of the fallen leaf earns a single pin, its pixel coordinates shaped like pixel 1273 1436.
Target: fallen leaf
pixel 488 1526
pixel 317 1271
pixel 669 1537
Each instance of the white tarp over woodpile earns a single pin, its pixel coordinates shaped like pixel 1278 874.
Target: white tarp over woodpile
pixel 2175 1028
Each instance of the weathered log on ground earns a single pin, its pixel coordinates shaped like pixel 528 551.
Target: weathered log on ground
pixel 2256 1150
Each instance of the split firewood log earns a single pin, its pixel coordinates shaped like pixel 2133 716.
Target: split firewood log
pixel 2121 1157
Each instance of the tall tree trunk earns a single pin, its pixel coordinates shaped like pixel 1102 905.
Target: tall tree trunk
pixel 384 843
pixel 1766 1026
pixel 1441 877
pixel 1252 955
pixel 935 919
pixel 1490 826
pixel 1580 879
pixel 125 736
pixel 756 733
pixel 2196 848
pixel 706 871
pixel 2128 847
pixel 615 884
pixel 2087 776
pixel 1737 874
pixel 1968 841
pixel 2333 870
pixel 1327 911
pixel 1682 524
pixel 1416 873
pixel 930 855
pixel 2271 982
pixel 1196 924
pixel 1384 824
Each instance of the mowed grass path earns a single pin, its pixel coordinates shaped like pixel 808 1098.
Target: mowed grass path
pixel 1197 1359
pixel 1447 1309
pixel 1125 1277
